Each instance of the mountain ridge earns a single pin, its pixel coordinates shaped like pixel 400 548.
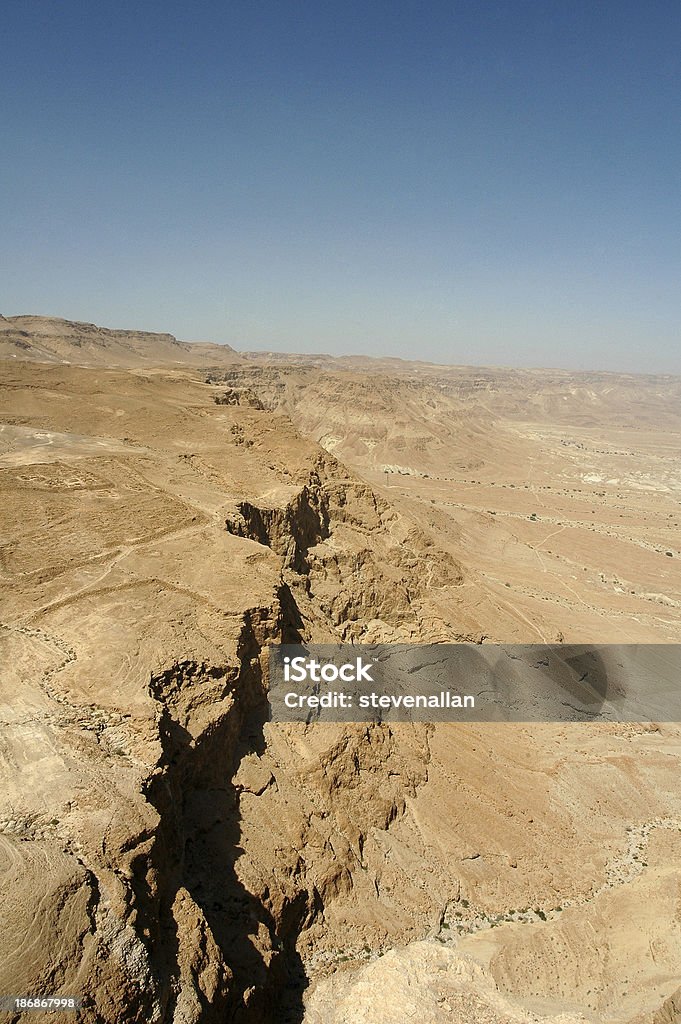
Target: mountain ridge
pixel 56 340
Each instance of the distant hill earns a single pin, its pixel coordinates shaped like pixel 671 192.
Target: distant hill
pixel 48 339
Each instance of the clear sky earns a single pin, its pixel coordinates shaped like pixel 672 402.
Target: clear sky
pixel 465 181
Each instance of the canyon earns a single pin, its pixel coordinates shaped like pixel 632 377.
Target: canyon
pixel 168 853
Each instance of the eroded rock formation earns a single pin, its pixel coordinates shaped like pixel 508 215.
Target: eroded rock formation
pixel 172 856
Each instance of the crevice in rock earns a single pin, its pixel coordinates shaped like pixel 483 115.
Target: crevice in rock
pixel 238 963
pixel 290 531
pixel 218 951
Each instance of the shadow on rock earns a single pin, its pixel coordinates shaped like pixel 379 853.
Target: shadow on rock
pixel 246 970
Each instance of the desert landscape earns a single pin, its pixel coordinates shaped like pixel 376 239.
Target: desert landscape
pixel 167 853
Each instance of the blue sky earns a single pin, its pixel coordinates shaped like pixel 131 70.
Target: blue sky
pixel 468 182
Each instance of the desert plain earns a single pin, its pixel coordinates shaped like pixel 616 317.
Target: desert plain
pixel 167 853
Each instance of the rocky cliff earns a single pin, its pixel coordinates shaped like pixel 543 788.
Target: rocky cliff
pixel 171 855
pixel 182 845
pixel 53 340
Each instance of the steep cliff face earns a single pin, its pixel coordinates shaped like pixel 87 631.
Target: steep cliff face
pixel 242 786
pixel 188 852
pixel 141 911
pixel 355 565
pixel 217 951
pixel 190 886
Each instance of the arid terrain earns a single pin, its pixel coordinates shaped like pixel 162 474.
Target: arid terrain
pixel 170 855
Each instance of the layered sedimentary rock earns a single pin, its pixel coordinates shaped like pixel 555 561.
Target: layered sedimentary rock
pixel 53 340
